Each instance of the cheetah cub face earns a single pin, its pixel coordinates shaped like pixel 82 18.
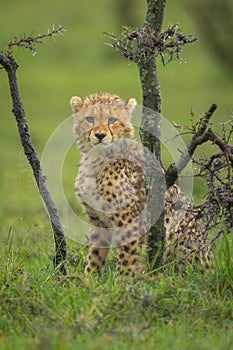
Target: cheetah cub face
pixel 101 119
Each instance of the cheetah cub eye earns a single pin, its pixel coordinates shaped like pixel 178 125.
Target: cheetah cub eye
pixel 90 119
pixel 112 120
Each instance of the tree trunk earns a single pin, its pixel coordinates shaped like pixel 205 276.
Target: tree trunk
pixel 150 135
pixel 11 66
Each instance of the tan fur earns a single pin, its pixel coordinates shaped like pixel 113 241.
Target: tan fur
pixel 111 187
pixel 186 239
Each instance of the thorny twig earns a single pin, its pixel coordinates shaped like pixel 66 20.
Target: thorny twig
pixel 29 42
pixel 135 44
pixel 217 172
pixel 216 210
pixel 199 137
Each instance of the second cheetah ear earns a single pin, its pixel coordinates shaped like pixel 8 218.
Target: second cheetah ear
pixel 76 103
pixel 131 104
pixel 176 189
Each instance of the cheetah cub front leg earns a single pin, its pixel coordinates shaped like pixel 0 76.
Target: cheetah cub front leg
pixel 98 252
pixel 126 259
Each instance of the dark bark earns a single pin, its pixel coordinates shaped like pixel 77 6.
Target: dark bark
pixel 198 138
pixel 150 133
pixel 226 148
pixel 11 66
pixel 155 15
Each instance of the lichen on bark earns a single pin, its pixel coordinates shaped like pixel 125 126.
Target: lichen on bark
pixel 151 139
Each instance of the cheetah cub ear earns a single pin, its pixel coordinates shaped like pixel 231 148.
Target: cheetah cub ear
pixel 76 103
pixel 131 104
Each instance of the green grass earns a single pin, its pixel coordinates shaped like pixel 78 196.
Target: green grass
pixel 41 310
pixel 37 309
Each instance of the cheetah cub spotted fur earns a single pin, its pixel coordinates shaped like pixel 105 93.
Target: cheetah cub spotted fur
pixel 111 187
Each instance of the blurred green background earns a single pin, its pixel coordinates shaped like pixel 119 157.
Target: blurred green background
pixel 79 64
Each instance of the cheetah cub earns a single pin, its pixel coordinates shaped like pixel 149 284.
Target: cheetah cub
pixel 110 182
pixel 111 187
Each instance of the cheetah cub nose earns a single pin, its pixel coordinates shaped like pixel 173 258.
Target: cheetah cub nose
pixel 100 136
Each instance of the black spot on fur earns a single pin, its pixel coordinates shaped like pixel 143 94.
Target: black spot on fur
pixel 95 236
pixel 125 262
pixel 128 234
pixel 104 244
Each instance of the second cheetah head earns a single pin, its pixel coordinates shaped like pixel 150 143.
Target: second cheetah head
pixel 102 118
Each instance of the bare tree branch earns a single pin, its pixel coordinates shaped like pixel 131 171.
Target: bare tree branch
pixel 133 44
pixel 30 41
pixel 198 138
pixel 10 66
pixel 216 209
pixel 226 148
